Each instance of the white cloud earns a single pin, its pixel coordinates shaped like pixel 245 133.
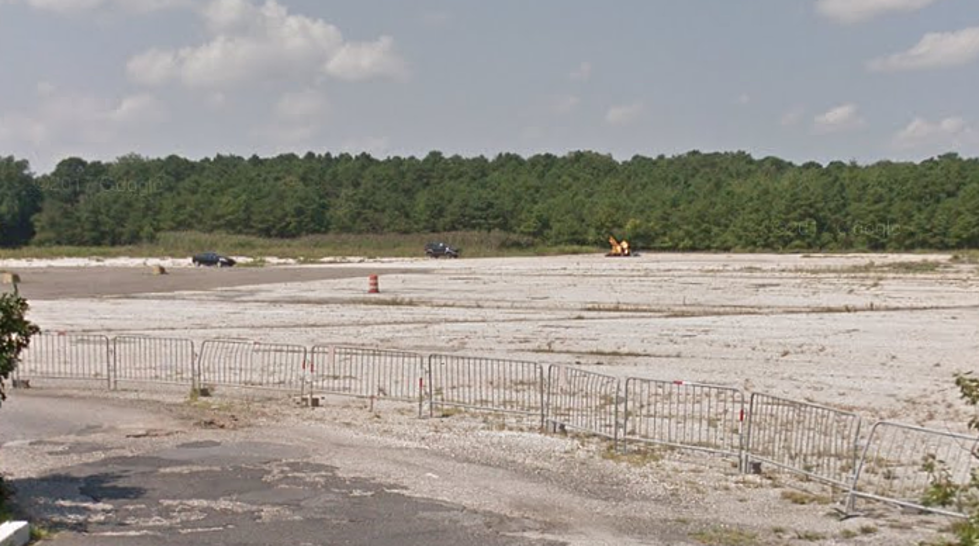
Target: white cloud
pixel 230 15
pixel 951 131
pixel 261 43
pixel 624 114
pixel 301 105
pixel 854 11
pixel 141 108
pixel 564 104
pixel 582 73
pixel 935 50
pixel 297 116
pixel 361 61
pixel 80 120
pixel 65 7
pixel 841 118
pixel 152 67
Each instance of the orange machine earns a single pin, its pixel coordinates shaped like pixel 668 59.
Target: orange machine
pixel 619 249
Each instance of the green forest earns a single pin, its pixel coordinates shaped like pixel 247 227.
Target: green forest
pixel 690 202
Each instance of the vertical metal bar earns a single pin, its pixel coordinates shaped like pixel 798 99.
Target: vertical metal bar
pixel 194 379
pixel 541 396
pixel 431 386
pixel 615 420
pixel 748 443
pixel 420 366
pixel 626 415
pixel 112 364
pixel 856 446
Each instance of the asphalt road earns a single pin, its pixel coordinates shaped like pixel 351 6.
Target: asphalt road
pixel 224 489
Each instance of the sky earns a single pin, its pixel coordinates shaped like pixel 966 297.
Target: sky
pixel 804 80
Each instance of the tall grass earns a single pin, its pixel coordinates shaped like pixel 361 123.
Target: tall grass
pixel 313 247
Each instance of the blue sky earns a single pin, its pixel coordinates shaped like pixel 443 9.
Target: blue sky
pixel 800 79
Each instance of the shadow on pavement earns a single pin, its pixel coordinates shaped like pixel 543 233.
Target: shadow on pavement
pixel 63 502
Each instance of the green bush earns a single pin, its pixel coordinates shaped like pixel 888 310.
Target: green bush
pixel 15 336
pixel 942 491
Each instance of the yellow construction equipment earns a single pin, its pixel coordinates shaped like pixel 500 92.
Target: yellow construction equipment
pixel 619 248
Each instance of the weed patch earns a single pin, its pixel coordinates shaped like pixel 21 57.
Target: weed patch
pixel 722 536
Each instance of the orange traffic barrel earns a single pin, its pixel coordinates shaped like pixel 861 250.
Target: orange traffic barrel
pixel 374 287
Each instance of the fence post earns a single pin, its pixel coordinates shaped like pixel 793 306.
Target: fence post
pixel 421 385
pixel 547 426
pixel 307 374
pixel 615 419
pixel 625 416
pixel 194 385
pixel 113 363
pixel 195 368
pixel 856 448
pixel 302 379
pixel 544 389
pixel 745 457
pixel 110 364
pixel 431 386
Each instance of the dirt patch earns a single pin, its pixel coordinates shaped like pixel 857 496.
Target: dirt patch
pixel 52 283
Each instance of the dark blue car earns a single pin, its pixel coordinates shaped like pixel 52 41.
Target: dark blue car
pixel 441 250
pixel 211 259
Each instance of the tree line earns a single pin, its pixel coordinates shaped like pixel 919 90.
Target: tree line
pixel 695 201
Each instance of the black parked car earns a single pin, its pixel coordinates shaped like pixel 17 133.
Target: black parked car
pixel 440 250
pixel 211 259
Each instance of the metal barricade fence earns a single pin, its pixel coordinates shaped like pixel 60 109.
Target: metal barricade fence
pixel 253 365
pixel 802 438
pixel 684 415
pixel 144 359
pixel 912 466
pixel 506 386
pixel 903 465
pixel 583 401
pixel 367 373
pixel 67 356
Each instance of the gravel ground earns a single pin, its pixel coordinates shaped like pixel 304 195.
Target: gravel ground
pixel 877 334
pixel 869 333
